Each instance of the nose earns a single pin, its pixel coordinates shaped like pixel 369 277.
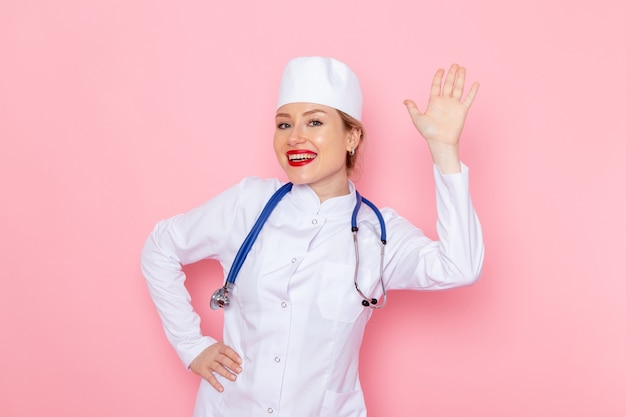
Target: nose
pixel 296 136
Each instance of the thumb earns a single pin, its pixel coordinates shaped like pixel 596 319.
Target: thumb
pixel 414 111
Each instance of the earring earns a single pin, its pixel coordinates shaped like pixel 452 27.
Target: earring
pixel 352 151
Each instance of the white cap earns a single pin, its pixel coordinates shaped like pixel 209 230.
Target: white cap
pixel 323 81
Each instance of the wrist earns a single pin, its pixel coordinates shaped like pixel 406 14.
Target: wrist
pixel 446 157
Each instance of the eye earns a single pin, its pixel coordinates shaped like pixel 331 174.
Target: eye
pixel 315 123
pixel 283 125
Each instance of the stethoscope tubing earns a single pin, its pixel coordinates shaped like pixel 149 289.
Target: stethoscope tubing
pixel 381 221
pixel 367 301
pixel 220 297
pixel 242 253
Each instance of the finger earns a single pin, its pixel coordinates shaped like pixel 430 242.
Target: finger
pixel 435 88
pixel 230 359
pixel 231 354
pixel 459 83
pixel 220 369
pixel 469 99
pixel 414 111
pixel 229 364
pixel 211 379
pixel 450 78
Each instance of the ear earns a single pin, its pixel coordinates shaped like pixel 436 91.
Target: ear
pixel 354 138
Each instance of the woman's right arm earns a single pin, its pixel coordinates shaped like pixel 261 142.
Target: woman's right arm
pixel 211 231
pixel 183 239
pixel 173 243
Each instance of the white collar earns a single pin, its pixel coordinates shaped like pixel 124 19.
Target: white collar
pixel 307 201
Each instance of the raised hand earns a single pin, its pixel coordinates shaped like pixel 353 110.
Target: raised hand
pixel 442 122
pixel 217 358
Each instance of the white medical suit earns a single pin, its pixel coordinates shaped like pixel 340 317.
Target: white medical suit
pixel 295 316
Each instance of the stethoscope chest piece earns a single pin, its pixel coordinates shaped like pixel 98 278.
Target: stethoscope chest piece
pixel 220 299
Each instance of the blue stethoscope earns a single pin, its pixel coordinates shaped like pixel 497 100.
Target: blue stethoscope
pixel 220 297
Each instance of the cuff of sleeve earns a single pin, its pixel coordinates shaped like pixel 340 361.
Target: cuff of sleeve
pixel 187 352
pixel 452 188
pixel 451 178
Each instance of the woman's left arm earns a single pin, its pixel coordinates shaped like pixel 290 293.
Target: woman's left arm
pixel 417 262
pixel 442 122
pixel 414 261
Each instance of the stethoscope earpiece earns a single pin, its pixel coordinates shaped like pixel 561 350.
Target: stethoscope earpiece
pixel 367 303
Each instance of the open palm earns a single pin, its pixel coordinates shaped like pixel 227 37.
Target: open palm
pixel 443 120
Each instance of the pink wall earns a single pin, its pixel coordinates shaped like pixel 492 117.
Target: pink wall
pixel 115 114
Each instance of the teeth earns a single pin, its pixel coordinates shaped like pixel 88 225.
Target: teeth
pixel 301 156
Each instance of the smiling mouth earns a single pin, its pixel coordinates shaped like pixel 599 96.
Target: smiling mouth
pixel 298 158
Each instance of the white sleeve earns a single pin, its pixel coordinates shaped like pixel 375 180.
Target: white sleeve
pixel 417 262
pixel 177 241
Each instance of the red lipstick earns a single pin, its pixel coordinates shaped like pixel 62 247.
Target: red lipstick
pixel 297 158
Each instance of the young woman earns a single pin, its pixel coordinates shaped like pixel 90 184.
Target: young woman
pixel 295 313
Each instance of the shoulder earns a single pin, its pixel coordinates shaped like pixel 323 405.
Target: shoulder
pixel 258 184
pixel 393 222
pixel 249 194
pixel 256 188
pixel 398 228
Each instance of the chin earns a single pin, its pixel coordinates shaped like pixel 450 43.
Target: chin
pixel 298 180
pixel 295 176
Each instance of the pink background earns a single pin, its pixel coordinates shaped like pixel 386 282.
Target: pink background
pixel 115 114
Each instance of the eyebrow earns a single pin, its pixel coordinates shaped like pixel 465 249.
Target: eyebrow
pixel 306 113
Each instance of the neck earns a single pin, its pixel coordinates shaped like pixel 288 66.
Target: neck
pixel 325 192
